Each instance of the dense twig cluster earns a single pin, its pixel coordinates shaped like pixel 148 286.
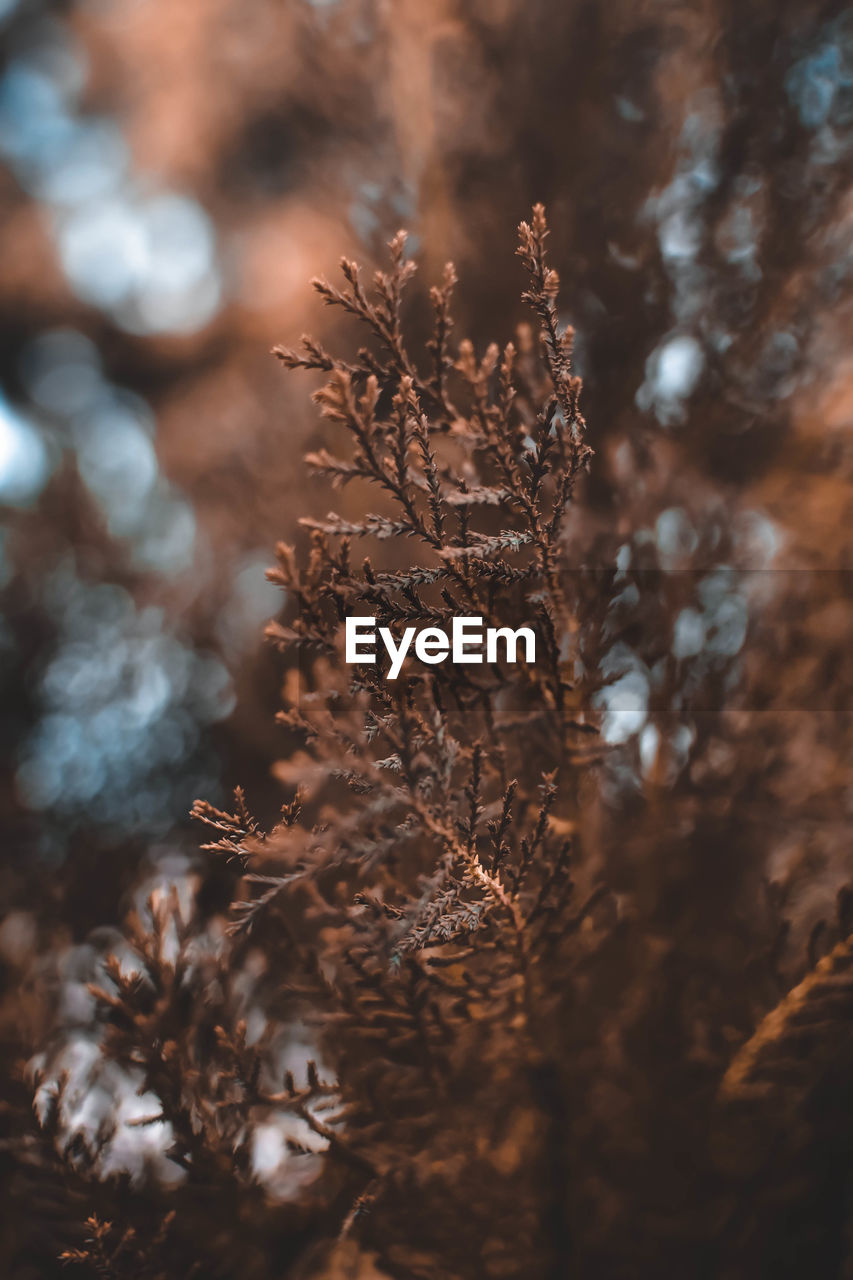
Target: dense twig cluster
pixel 420 956
pixel 418 892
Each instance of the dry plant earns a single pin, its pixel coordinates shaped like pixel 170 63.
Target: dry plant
pixel 420 906
pixel 454 1028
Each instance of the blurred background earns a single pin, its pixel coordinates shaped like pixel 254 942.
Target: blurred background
pixel 172 175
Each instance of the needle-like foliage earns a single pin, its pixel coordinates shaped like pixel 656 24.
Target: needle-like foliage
pixel 422 889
